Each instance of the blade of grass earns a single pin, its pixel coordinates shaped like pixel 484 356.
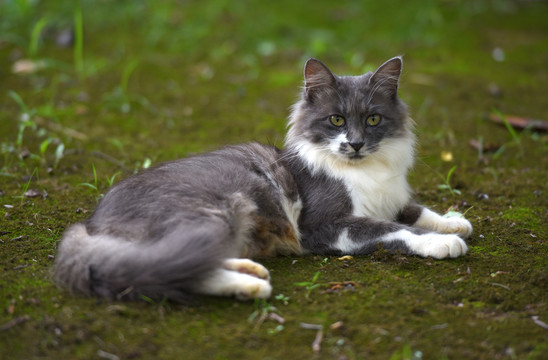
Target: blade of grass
pixel 509 127
pixel 126 74
pixel 35 36
pixel 79 41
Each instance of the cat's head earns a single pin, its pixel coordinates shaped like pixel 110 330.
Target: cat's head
pixel 349 119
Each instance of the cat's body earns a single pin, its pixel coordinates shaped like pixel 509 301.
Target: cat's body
pixel 338 187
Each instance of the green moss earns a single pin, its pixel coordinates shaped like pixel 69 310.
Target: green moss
pixel 199 77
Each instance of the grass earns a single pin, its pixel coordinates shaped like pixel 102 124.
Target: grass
pixel 78 41
pixel 447 182
pixel 197 77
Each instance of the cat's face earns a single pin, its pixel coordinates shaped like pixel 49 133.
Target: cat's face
pixel 349 117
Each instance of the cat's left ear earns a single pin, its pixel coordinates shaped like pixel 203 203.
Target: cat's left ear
pixel 387 76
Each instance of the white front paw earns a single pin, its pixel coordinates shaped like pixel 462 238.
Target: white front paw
pixel 455 225
pixel 440 246
pixel 429 220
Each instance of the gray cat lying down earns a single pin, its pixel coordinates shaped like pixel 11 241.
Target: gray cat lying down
pixel 339 186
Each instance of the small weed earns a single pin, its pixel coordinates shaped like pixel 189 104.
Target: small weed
pixel 310 285
pixel 25 121
pixel 147 299
pixel 35 36
pixel 95 182
pixel 120 98
pixel 516 139
pixel 110 180
pixel 27 185
pixel 447 185
pixel 284 299
pixel 275 330
pixel 513 133
pixel 262 309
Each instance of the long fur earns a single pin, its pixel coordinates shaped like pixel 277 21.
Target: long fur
pixel 190 226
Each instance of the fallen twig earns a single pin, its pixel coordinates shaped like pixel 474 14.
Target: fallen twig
pixel 520 122
pixel 539 322
pixel 276 317
pixel 14 322
pixel 500 285
pixel 316 344
pixel 106 355
pixel 60 128
pixel 109 159
pixel 484 147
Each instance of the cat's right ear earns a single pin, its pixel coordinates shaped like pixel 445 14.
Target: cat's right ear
pixel 317 77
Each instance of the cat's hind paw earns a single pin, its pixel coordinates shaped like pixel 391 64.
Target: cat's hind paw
pixel 253 289
pixel 246 266
pixel 225 282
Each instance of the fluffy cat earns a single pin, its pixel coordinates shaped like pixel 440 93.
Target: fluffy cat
pixel 338 187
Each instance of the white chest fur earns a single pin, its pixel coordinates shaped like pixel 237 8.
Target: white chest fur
pixel 376 191
pixel 377 185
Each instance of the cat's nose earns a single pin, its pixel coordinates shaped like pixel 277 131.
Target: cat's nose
pixel 357 145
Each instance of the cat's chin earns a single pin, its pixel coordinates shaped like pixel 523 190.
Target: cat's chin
pixel 351 159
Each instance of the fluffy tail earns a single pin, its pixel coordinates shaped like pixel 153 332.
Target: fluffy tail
pixel 115 268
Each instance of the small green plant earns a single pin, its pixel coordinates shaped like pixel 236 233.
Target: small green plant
pixel 59 150
pixel 25 120
pixel 93 186
pixel 284 299
pixel 263 311
pixel 35 36
pixel 27 185
pixel 110 180
pixel 516 138
pixel 120 98
pixel 447 182
pixel 310 285
pixel 513 133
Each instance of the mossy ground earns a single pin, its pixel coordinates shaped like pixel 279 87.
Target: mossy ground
pixel 157 82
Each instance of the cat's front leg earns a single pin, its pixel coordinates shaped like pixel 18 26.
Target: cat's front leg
pixel 362 236
pixel 421 217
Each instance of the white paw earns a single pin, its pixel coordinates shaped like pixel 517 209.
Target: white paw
pixel 224 282
pixel 455 225
pixel 429 220
pixel 439 246
pixel 246 266
pixel 253 288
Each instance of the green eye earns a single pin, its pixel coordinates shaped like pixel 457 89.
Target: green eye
pixel 336 120
pixel 374 120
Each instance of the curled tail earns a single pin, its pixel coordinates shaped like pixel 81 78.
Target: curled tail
pixel 117 268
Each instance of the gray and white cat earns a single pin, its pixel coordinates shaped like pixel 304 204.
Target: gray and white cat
pixel 338 187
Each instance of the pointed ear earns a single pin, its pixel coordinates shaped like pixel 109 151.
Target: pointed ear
pixel 387 76
pixel 317 77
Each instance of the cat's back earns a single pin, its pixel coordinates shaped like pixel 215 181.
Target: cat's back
pixel 209 180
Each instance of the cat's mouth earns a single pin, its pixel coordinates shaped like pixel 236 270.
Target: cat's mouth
pixel 356 156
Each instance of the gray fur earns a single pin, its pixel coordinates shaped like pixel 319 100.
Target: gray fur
pixel 169 230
